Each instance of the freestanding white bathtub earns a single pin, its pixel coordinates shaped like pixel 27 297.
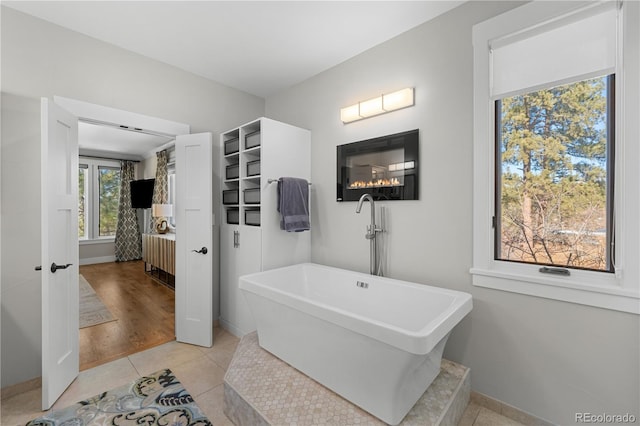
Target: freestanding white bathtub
pixel 375 341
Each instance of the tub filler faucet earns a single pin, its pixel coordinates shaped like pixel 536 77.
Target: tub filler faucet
pixel 371 235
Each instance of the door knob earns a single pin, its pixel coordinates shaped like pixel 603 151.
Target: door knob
pixel 55 267
pixel 203 250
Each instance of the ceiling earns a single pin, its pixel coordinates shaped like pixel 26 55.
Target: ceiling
pixel 113 142
pixel 259 47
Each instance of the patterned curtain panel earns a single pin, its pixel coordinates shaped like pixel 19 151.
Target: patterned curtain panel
pixel 128 239
pixel 160 190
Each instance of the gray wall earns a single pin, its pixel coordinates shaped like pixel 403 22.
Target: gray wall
pixel 89 252
pixel 20 294
pixel 40 59
pixel 548 358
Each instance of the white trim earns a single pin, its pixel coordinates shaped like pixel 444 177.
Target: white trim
pixel 93 112
pixel 93 260
pixel 614 299
pixel 103 240
pixel 619 291
pixel 108 155
pixel 230 327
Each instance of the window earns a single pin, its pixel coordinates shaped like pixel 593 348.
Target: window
pixel 554 186
pixel 556 153
pixel 99 197
pixel 108 200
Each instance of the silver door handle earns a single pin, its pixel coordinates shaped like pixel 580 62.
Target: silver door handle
pixel 203 250
pixel 236 239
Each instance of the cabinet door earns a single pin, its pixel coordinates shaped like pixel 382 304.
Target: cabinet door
pixel 249 262
pixel 250 250
pixel 246 258
pixel 228 275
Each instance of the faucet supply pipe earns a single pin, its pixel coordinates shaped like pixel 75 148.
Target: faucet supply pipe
pixel 371 234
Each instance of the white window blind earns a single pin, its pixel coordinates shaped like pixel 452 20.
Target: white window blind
pixel 578 46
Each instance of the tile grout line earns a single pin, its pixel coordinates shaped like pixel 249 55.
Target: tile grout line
pixel 133 365
pixel 476 416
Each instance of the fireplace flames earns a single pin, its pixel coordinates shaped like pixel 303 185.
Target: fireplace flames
pixel 378 183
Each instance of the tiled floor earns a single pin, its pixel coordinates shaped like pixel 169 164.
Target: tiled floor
pixel 477 415
pixel 188 364
pixel 186 361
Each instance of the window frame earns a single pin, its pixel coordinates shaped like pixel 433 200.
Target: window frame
pixel 617 291
pixel 171 191
pixel 92 199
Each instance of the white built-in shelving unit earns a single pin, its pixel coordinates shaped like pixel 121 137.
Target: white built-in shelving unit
pixel 251 239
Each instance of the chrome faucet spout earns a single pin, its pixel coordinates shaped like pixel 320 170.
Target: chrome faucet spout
pixel 362 199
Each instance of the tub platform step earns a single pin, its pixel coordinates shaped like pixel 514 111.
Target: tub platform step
pixel 261 389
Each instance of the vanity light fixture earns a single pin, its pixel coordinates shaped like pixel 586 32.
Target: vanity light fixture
pixel 382 104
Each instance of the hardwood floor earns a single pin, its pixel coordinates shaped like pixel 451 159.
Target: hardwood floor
pixel 144 308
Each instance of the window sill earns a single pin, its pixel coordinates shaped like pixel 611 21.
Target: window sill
pixel 97 241
pixel 601 296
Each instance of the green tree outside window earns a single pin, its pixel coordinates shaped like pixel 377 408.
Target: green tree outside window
pixel 109 198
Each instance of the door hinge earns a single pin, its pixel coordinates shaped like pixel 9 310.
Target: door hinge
pixel 494 222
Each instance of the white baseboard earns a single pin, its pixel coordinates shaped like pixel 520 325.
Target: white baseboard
pixel 92 260
pixel 507 410
pixel 231 328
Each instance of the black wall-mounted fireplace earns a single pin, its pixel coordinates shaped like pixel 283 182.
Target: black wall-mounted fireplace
pixel 385 167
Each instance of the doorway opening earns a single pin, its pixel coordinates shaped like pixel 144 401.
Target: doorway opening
pixel 143 309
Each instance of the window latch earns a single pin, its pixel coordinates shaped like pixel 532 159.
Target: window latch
pixel 555 271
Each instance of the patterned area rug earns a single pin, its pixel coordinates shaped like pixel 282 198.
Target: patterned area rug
pixel 92 310
pixel 157 399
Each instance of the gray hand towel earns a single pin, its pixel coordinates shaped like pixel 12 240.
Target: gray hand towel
pixel 293 204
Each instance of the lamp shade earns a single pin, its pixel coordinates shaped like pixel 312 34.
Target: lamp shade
pixel 162 210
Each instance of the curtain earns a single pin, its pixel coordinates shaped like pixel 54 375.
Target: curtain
pixel 160 191
pixel 128 240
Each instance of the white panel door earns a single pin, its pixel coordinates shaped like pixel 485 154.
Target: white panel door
pixel 194 240
pixel 59 251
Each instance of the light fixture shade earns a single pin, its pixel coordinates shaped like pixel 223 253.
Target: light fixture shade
pixel 396 100
pixel 379 105
pixel 371 107
pixel 162 210
pixel 350 113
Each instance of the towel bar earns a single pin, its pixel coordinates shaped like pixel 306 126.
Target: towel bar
pixel 270 181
